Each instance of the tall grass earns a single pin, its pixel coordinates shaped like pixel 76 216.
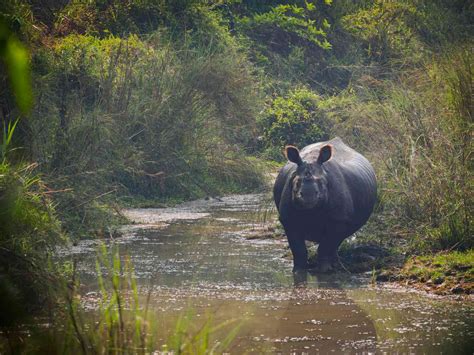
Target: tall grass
pixel 417 133
pixel 144 117
pixel 5 146
pixel 121 323
pixel 29 232
pixel 158 111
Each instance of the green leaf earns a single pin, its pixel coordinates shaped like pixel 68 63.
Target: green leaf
pixel 310 6
pixel 15 56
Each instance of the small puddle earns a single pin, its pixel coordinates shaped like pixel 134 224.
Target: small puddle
pixel 197 256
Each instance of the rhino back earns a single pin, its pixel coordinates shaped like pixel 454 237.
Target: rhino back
pixel 352 184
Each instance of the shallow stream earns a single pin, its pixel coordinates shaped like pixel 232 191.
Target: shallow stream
pixel 196 256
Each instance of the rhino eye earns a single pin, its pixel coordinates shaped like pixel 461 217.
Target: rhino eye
pixel 297 182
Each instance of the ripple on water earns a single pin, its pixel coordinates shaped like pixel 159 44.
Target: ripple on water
pixel 198 254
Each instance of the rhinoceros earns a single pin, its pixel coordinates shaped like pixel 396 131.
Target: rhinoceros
pixel 325 193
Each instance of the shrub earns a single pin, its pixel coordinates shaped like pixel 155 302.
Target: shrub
pixel 287 40
pixel 296 119
pixel 155 118
pixel 290 21
pixel 29 233
pixel 387 28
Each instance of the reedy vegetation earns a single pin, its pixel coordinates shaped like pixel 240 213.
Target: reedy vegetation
pixel 29 232
pixel 165 100
pixel 122 322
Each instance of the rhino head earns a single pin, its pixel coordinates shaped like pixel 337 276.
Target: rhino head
pixel 309 182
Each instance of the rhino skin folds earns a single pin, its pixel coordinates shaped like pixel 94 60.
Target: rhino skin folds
pixel 325 193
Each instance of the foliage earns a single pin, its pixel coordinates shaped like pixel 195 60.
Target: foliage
pixel 123 18
pixel 29 233
pixel 285 39
pixel 5 147
pixel 118 115
pixel 118 123
pixel 387 28
pixel 29 230
pixel 417 135
pixel 15 58
pixel 292 20
pixel 295 119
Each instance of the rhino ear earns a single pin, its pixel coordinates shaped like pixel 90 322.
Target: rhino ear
pixel 325 153
pixel 293 154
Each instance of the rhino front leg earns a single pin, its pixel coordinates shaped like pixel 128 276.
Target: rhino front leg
pixel 298 248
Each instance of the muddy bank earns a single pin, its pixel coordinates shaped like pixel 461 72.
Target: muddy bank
pixel 446 273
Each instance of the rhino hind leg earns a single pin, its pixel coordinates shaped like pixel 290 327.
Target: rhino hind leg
pixel 327 259
pixel 325 265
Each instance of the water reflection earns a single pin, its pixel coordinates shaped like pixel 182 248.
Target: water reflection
pixel 322 318
pixel 196 254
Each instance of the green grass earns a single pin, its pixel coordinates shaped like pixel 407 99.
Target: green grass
pixel 29 233
pixel 122 322
pixel 446 269
pixel 456 263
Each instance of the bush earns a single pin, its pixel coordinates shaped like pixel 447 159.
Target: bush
pixel 154 118
pixel 287 40
pixel 387 29
pixel 29 233
pixel 296 119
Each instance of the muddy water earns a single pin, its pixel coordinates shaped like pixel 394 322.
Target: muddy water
pixel 196 256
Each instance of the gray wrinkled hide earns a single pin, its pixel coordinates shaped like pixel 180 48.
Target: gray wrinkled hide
pixel 351 197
